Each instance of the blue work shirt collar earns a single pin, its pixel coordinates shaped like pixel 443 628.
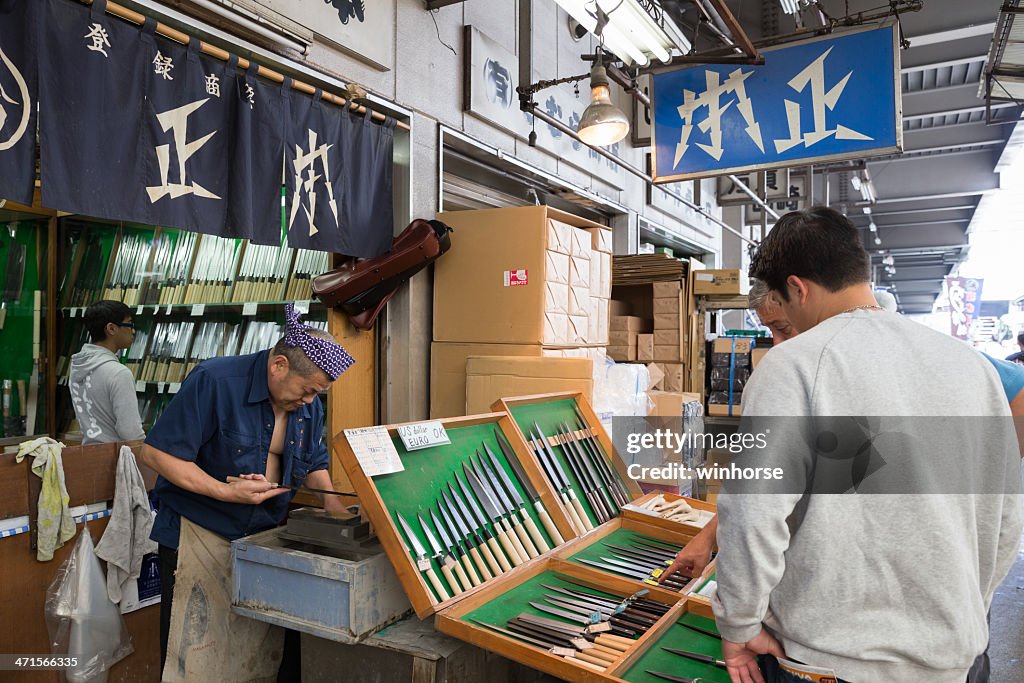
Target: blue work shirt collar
pixel 259 390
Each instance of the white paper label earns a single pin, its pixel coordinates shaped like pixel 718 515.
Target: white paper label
pixel 374 450
pixel 198 309
pixel 140 386
pixel 161 388
pixel 73 313
pixel 168 311
pixel 302 307
pixel 173 387
pixel 704 277
pixel 138 311
pixel 423 435
pixel 249 308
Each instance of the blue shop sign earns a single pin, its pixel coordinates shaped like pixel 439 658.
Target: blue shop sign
pixel 836 97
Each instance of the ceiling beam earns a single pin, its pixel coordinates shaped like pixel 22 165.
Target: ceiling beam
pixel 958 110
pixel 925 209
pixel 952 34
pixel 947 62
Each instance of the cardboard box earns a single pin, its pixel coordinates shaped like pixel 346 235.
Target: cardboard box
pixel 630 323
pixel 655 376
pixel 666 403
pixel 669 337
pixel 492 287
pixel 757 354
pixel 579 301
pixel 556 329
pixel 670 288
pixel 669 305
pixel 726 345
pixel 557 267
pixel 448 372
pixel 722 410
pixel 732 281
pixel 645 347
pixel 578 332
pixel 559 236
pixel 622 338
pixel 601 240
pixel 579 272
pixel 668 321
pixel 622 354
pixel 672 353
pixel 600 336
pixel 674 374
pixel 618 308
pixel 489 378
pixel 581 240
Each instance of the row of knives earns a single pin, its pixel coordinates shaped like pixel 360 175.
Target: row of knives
pixel 187 268
pixel 643 558
pixel 595 629
pixel 466 549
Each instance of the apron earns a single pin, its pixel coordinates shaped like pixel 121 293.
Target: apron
pixel 207 642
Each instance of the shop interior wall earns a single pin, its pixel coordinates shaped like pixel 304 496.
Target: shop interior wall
pixel 427 79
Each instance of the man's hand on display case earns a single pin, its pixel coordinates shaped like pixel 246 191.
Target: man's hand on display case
pixel 741 658
pixel 695 556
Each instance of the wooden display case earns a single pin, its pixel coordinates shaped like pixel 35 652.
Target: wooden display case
pixel 413 491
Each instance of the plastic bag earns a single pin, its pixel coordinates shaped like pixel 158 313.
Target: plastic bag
pixel 82 621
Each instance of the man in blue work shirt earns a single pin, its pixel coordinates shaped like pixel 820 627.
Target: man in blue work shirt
pixel 258 419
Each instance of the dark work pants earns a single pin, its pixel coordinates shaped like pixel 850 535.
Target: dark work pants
pixel 291 663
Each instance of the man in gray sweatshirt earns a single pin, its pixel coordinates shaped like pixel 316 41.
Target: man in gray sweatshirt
pixel 885 587
pixel 103 390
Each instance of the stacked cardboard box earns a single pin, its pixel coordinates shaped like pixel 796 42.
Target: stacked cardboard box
pixel 489 378
pixel 730 370
pixel 670 340
pixel 624 337
pixel 528 281
pixel 727 282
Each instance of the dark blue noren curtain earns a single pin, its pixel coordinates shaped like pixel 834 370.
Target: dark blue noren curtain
pixel 19 94
pixel 257 154
pixel 314 170
pixel 188 119
pixel 368 222
pixel 90 120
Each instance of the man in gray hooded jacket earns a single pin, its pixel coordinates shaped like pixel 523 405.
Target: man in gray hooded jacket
pixel 103 390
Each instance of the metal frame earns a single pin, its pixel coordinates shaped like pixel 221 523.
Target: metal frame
pixel 824 158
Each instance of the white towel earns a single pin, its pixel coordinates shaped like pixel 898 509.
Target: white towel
pixel 126 538
pixel 55 525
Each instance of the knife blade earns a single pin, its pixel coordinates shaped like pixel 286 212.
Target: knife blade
pixel 491 507
pixel 524 545
pixel 275 485
pixel 696 656
pixel 493 567
pixel 422 559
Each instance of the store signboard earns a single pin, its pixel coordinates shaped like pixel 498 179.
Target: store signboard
pixel 491 79
pixel 365 30
pixel 964 304
pixel 821 100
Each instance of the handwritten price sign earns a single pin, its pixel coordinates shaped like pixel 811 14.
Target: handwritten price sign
pixel 423 435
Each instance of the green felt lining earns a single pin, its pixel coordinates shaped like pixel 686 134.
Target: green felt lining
pixel 416 489
pixel 550 415
pixel 596 550
pixel 680 638
pixel 515 601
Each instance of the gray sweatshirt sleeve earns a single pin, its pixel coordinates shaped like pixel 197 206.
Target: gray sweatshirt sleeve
pixel 126 406
pixel 753 533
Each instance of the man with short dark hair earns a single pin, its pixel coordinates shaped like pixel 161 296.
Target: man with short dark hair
pixel 859 584
pixel 102 389
pixel 258 420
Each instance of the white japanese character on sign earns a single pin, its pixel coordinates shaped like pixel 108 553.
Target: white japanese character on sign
pixel 212 85
pixel 712 99
pixel 163 66
pixel 176 121
pixel 98 35
pixel 306 161
pixel 26 105
pixel 250 94
pixel 814 73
